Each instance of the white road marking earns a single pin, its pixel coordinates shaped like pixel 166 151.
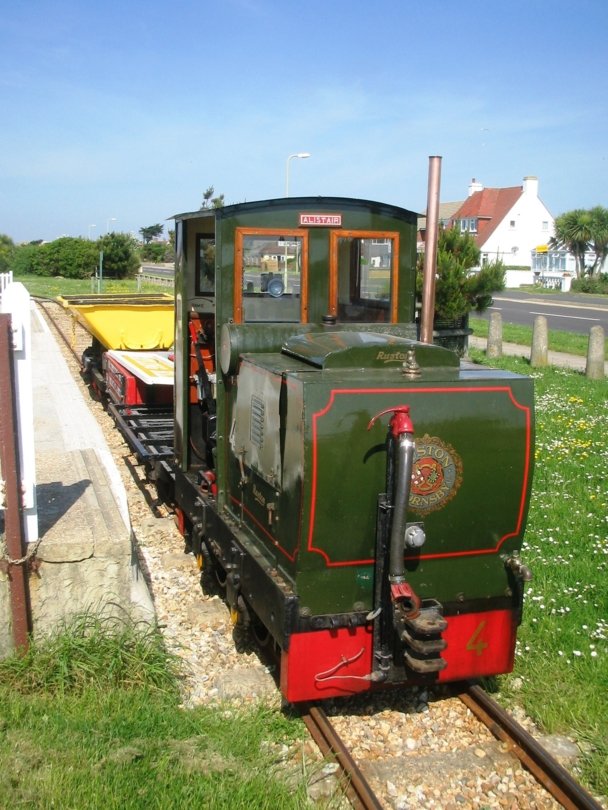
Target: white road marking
pixel 573 317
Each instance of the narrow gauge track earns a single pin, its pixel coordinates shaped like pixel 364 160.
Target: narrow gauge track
pixel 51 317
pixel 547 771
pixel 555 779
pixel 516 742
pixel 330 743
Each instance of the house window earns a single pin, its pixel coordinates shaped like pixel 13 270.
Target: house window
pixel 545 225
pixel 512 224
pixel 468 225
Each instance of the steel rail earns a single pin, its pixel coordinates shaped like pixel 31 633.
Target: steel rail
pixel 545 768
pixel 326 737
pixel 40 302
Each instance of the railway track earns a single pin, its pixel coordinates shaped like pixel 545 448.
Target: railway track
pixel 546 770
pixel 364 782
pixel 78 336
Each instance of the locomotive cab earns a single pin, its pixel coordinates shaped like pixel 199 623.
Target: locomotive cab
pixel 361 496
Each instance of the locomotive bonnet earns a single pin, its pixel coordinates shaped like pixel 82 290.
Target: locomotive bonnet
pixel 360 496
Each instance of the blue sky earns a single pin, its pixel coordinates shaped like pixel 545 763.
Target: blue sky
pixel 120 114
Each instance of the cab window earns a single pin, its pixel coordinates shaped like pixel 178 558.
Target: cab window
pixel 365 276
pixel 270 274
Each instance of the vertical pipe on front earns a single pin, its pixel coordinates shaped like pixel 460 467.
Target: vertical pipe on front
pixel 430 250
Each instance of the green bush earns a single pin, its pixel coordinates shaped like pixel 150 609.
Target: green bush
pixel 69 257
pixel 22 260
pixel 120 255
pixel 458 290
pixel 7 251
pixel 157 252
pixel 594 286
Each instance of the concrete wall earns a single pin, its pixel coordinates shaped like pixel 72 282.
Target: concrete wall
pixel 83 555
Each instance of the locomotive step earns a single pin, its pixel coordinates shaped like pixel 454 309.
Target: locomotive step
pixel 425 666
pixel 426 623
pixel 424 647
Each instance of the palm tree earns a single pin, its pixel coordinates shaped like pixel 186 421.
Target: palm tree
pixel 580 231
pixel 599 240
pixel 574 231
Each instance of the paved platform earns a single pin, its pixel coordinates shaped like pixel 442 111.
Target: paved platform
pixel 79 489
pixel 84 547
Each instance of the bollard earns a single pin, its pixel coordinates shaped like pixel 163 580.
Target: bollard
pixel 494 348
pixel 595 354
pixel 540 342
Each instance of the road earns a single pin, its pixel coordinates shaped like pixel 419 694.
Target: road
pixel 159 269
pixel 568 312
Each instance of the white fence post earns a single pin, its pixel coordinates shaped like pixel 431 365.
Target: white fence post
pixel 15 300
pixel 5 280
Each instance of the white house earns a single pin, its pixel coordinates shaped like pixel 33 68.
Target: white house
pixel 507 223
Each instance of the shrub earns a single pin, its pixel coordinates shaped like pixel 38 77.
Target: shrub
pixel 68 256
pixel 157 252
pixel 120 255
pixel 594 286
pixel 458 290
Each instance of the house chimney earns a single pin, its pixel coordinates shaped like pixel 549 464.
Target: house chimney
pixel 531 185
pixel 474 187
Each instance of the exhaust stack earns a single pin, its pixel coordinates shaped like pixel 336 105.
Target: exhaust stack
pixel 430 251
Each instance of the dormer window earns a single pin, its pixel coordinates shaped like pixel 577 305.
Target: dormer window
pixel 468 225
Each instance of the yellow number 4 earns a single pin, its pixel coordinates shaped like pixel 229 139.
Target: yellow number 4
pixel 475 643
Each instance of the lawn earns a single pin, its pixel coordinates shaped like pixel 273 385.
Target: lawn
pixel 561 670
pixel 51 287
pixel 92 719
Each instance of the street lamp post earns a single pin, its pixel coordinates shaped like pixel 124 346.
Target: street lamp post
pixel 112 219
pixel 296 155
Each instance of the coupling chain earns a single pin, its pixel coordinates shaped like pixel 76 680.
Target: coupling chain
pixel 28 559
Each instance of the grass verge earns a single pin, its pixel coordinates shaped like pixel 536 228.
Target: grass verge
pixel 569 342
pixel 561 671
pixel 103 727
pixel 51 287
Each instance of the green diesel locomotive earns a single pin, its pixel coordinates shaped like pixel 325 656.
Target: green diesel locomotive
pixel 361 496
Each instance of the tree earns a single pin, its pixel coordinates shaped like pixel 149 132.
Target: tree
pixel 573 232
pixel 7 250
pixel 24 257
pixel 209 201
pixel 580 231
pixel 457 289
pixel 120 256
pixel 69 257
pixel 151 232
pixel 599 239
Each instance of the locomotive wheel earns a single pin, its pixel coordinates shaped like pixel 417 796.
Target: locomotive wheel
pixel 241 621
pixel 209 569
pixel 260 632
pixel 220 575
